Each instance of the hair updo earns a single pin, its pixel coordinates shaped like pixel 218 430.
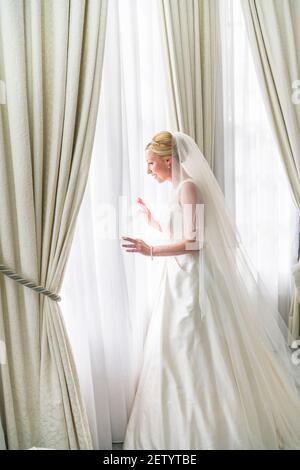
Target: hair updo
pixel 162 144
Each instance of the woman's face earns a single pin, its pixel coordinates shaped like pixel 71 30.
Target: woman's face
pixel 159 168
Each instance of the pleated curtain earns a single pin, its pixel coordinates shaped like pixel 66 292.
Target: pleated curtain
pixel 51 56
pixel 2 440
pixel 190 38
pixel 273 28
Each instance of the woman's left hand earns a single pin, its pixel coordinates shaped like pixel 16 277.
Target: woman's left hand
pixel 137 246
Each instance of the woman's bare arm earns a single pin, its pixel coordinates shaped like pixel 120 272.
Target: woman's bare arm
pixel 189 244
pixel 180 248
pixel 150 219
pixel 156 225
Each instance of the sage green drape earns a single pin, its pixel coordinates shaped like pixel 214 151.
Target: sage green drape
pixel 51 56
pixel 189 31
pixel 273 27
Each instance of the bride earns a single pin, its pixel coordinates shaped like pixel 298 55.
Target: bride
pixel 217 372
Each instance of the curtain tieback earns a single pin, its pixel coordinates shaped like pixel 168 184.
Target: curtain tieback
pixel 30 284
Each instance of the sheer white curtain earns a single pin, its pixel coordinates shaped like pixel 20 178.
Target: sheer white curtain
pixel 107 293
pixel 255 183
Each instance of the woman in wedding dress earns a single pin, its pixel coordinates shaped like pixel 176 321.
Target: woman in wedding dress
pixel 218 371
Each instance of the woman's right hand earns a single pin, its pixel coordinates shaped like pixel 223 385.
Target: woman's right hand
pixel 145 210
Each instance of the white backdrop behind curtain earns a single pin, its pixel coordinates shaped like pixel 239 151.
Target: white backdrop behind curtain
pixel 107 293
pixel 256 187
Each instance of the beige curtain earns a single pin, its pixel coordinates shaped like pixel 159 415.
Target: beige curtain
pixel 51 59
pixel 2 440
pixel 189 30
pixel 273 27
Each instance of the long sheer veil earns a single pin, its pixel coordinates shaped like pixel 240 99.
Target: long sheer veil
pixel 223 263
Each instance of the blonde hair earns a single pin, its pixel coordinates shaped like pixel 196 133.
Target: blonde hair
pixel 162 144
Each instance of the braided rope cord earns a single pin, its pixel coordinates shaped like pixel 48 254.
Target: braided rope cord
pixel 30 284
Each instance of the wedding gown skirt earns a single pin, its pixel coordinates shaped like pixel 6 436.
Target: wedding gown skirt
pixel 202 386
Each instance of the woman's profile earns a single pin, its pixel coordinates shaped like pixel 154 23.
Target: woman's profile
pixel 217 371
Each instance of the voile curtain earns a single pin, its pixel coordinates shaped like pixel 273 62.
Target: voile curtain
pixel 256 185
pixel 132 109
pixel 273 28
pixel 190 38
pixel 50 62
pixel 108 302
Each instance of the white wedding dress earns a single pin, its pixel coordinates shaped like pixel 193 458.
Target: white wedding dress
pixel 200 388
